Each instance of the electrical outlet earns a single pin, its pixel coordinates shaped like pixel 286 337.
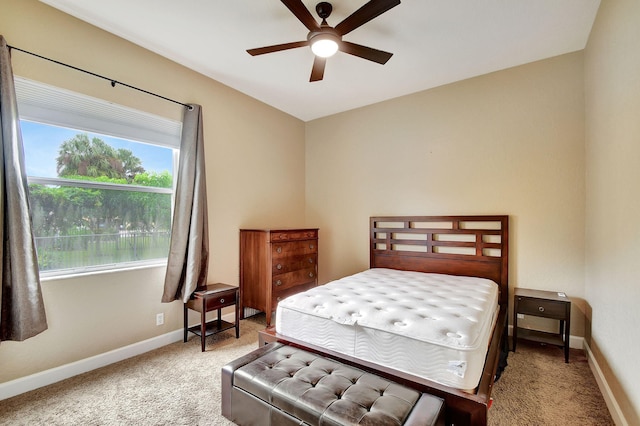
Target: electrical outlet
pixel 159 319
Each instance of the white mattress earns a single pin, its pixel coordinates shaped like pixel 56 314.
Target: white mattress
pixel 430 325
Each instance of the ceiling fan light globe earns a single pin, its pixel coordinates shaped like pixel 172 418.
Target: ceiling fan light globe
pixel 324 46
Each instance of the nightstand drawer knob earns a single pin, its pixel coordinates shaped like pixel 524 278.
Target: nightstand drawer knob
pixel 310 274
pixel 279 249
pixel 279 266
pixel 541 308
pixel 279 282
pixel 311 246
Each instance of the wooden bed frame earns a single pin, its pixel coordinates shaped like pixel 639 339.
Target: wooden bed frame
pixel 456 245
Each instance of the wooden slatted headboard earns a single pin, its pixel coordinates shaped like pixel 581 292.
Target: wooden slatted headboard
pixel 476 246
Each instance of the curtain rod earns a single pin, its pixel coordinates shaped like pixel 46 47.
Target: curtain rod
pixel 111 80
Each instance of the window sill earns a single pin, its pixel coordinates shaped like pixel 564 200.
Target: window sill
pixel 45 277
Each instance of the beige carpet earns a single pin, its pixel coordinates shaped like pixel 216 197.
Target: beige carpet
pixel 538 388
pixel 180 385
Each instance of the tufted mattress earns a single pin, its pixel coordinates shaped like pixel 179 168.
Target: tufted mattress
pixel 430 325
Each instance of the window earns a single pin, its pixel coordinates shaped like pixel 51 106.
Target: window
pixel 100 180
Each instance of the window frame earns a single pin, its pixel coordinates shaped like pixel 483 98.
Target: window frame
pixel 49 105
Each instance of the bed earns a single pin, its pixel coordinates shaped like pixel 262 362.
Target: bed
pixel 430 311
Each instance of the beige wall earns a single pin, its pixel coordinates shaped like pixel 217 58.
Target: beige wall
pixel 612 81
pixel 244 140
pixel 511 142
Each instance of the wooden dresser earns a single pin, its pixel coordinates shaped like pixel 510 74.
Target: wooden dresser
pixel 274 264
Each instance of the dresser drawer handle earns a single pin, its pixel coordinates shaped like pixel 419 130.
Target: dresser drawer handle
pixel 279 283
pixel 310 274
pixel 279 249
pixel 279 266
pixel 541 308
pixel 311 246
pixel 311 260
pixel 279 299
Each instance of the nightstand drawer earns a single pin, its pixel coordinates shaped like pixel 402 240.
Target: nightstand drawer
pixel 541 307
pixel 220 301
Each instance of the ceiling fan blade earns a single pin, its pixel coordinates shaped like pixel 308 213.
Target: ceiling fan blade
pixel 276 48
pixel 317 72
pixel 302 13
pixel 365 14
pixel 365 52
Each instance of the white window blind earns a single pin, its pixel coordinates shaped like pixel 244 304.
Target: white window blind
pixel 52 105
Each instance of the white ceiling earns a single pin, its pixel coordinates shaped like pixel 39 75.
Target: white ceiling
pixel 434 42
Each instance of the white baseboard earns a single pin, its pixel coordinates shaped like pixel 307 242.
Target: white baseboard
pixel 609 399
pixel 576 342
pixel 53 375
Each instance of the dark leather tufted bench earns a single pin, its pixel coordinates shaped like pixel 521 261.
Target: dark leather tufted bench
pixel 282 385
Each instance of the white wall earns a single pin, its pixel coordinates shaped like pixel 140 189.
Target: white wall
pixel 612 81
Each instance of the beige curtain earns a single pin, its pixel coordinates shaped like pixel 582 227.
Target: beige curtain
pixel 22 312
pixel 189 250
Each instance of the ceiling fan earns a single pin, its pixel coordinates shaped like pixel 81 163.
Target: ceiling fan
pixel 326 40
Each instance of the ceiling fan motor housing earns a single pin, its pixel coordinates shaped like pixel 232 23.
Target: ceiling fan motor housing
pixel 324 9
pixel 325 31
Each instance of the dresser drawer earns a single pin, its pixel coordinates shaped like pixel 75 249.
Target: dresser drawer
pixel 294 278
pixel 294 263
pixel 541 307
pixel 285 249
pixel 284 293
pixel 302 234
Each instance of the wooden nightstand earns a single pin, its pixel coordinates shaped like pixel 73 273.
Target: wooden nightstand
pixel 546 304
pixel 216 296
